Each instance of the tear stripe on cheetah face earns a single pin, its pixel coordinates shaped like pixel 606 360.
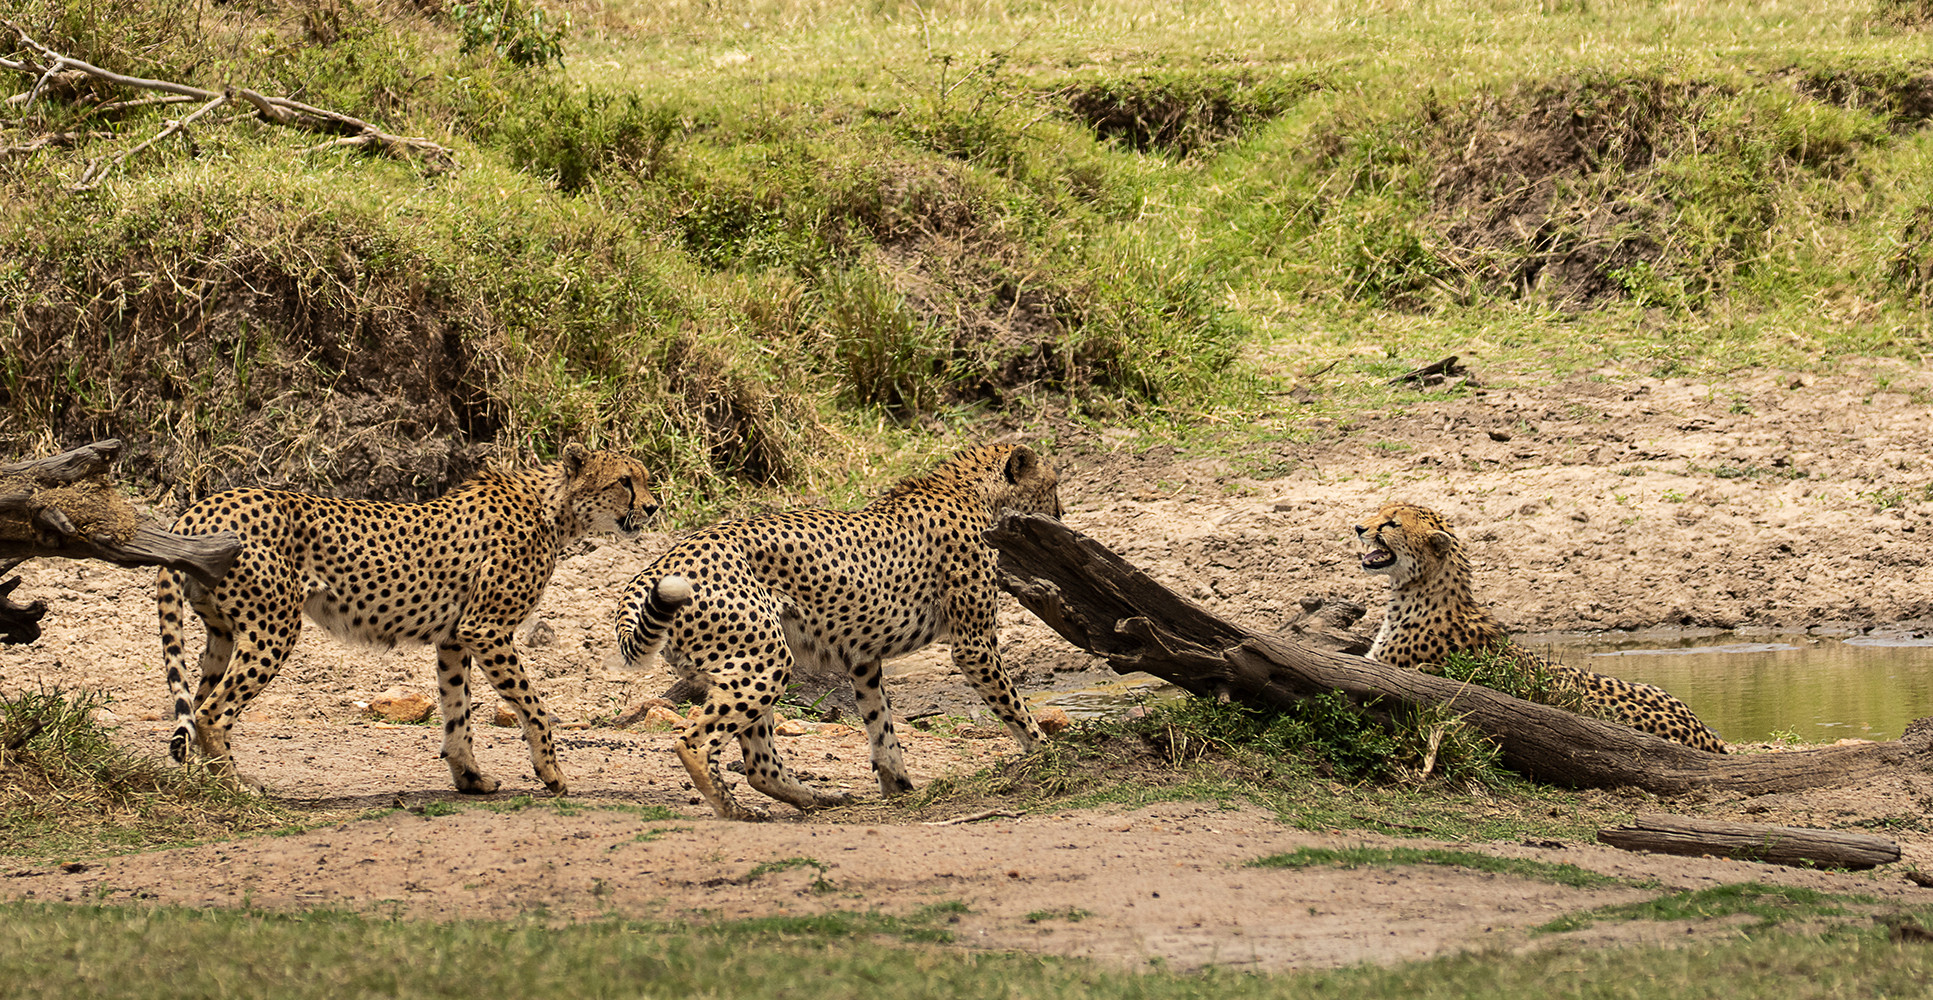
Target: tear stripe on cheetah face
pixel 1432 613
pixel 745 602
pixel 460 572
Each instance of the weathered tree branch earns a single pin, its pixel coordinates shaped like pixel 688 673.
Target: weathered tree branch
pixel 62 506
pixel 1779 845
pixel 277 110
pixel 1099 602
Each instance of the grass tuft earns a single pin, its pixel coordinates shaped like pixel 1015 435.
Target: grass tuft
pixel 1359 857
pixel 1770 904
pixel 67 789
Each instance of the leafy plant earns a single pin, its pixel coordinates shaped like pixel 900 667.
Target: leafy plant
pixel 512 30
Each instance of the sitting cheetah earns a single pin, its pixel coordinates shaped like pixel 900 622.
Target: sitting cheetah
pixel 1432 614
pixel 743 601
pixel 461 571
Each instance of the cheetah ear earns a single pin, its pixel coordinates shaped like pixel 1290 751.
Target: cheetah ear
pixel 574 458
pixel 1442 542
pixel 1022 465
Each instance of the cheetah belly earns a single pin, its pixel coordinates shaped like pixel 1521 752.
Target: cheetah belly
pixel 832 628
pixel 383 605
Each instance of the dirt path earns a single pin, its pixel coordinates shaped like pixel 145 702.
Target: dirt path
pixel 1613 501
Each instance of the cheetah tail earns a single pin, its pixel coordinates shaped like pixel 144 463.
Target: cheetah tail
pixel 168 587
pixel 644 617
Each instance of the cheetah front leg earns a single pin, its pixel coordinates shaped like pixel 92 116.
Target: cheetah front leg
pixel 889 765
pixel 978 660
pixel 453 697
pixel 973 615
pixel 492 651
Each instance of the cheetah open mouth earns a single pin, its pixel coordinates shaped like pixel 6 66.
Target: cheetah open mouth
pixel 1378 559
pixel 633 521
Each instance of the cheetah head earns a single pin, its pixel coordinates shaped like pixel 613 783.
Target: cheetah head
pixel 1025 482
pixel 1406 543
pixel 608 490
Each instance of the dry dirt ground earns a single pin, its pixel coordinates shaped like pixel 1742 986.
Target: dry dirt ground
pixel 1610 501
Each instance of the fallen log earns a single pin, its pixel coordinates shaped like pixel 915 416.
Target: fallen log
pixel 1100 603
pixel 1779 845
pixel 63 506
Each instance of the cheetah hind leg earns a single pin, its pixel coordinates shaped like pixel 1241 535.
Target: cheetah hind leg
pixel 250 667
pixel 453 697
pixel 698 749
pixel 889 764
pixel 765 770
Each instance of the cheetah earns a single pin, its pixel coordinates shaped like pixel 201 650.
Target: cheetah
pixel 743 602
pixel 1433 614
pixel 460 572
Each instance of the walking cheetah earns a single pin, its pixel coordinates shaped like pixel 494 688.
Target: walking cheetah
pixel 461 572
pixel 1432 614
pixel 744 601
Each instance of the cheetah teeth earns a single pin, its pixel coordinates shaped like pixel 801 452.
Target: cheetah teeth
pixel 1377 559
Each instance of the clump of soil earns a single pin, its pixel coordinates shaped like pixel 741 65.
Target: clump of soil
pixel 1182 114
pixel 93 506
pixel 1903 92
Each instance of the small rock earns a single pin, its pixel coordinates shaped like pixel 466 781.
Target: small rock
pixel 505 717
pixel 661 717
pixel 397 706
pixel 1499 435
pixel 538 635
pixel 794 727
pixel 1053 719
pixel 641 709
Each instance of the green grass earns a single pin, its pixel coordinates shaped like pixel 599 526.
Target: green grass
pixel 60 951
pixel 1770 905
pixel 1359 857
pixel 790 244
pixel 68 791
pixel 1327 766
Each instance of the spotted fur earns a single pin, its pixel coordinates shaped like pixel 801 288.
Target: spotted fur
pixel 460 572
pixel 1432 614
pixel 744 602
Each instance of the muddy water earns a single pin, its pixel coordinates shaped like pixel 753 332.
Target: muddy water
pixel 1813 688
pixel 1817 688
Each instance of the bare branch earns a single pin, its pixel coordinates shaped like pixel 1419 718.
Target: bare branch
pixel 96 172
pixel 276 110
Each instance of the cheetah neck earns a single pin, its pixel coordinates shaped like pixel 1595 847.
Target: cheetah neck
pixel 1441 604
pixel 550 484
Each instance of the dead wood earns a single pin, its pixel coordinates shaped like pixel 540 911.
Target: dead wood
pixel 1430 374
pixel 51 67
pixel 1779 845
pixel 1099 602
pixel 64 506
